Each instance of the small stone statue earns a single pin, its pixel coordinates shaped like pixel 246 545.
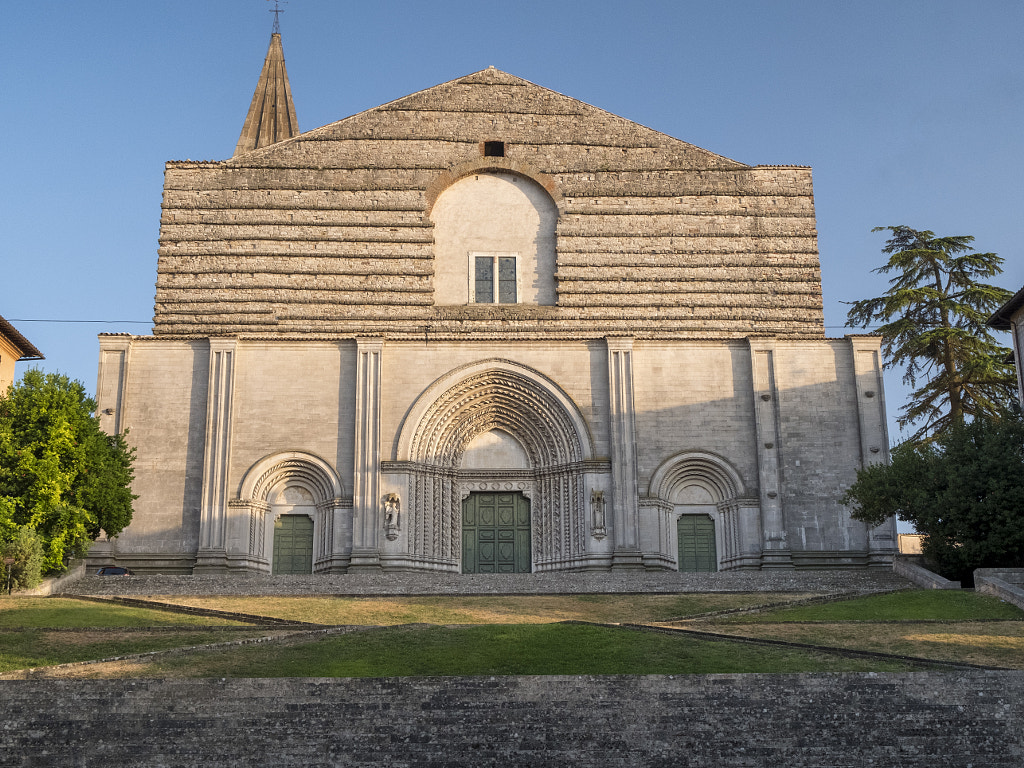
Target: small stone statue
pixel 597 514
pixel 392 515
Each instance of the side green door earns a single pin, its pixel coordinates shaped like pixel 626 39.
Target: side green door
pixel 697 550
pixel 496 533
pixel 293 544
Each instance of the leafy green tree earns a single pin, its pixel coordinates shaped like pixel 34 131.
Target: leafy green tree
pixel 964 490
pixel 60 475
pixel 25 551
pixel 934 325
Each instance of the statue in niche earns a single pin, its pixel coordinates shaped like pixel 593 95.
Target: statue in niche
pixel 597 514
pixel 392 515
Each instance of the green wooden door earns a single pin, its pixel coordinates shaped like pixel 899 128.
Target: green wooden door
pixel 496 533
pixel 293 544
pixel 697 551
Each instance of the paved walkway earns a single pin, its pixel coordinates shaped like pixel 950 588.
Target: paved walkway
pixel 495 584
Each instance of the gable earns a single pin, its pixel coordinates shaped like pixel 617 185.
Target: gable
pixel 552 129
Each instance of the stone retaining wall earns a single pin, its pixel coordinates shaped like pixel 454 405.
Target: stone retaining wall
pixel 927 719
pixel 1005 583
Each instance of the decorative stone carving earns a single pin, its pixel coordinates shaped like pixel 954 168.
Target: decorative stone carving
pixel 392 516
pixel 597 515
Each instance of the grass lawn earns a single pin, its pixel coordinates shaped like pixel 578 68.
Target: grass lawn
pixel 946 625
pixel 484 609
pixel 518 635
pixel 516 649
pixel 909 605
pixel 42 648
pixel 65 612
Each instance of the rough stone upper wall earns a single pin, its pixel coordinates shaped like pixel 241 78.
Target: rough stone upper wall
pixel 330 232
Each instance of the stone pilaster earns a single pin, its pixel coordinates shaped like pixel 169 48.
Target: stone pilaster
pixel 874 435
pixel 111 384
pixel 775 552
pixel 366 504
pixel 212 554
pixel 625 512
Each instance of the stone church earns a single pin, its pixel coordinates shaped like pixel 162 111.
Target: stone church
pixel 488 328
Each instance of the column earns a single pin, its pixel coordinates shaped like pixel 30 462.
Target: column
pixel 212 555
pixel 366 502
pixel 625 511
pixel 874 435
pixel 775 550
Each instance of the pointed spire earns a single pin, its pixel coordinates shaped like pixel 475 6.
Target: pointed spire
pixel 271 115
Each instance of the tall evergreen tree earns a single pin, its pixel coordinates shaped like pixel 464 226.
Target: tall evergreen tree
pixel 934 325
pixel 60 475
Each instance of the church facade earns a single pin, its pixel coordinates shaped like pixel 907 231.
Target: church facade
pixel 488 328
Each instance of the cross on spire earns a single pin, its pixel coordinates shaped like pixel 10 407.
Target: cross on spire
pixel 277 11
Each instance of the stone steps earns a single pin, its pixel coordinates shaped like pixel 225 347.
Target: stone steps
pixel 925 719
pixel 366 583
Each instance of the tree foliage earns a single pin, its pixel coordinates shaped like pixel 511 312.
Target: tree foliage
pixel 25 551
pixel 934 325
pixel 964 491
pixel 60 475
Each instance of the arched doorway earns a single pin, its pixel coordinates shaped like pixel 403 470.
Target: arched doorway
pixel 293 510
pixel 495 439
pixel 701 496
pixel 298 520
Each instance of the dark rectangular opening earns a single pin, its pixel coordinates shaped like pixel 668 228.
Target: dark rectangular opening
pixel 494 149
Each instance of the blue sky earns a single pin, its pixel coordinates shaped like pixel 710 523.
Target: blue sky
pixel 909 112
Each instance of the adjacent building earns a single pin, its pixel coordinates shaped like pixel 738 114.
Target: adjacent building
pixel 488 328
pixel 14 348
pixel 1010 317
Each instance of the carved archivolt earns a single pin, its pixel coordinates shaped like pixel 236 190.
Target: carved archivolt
pixel 305 469
pixel 494 394
pixel 711 472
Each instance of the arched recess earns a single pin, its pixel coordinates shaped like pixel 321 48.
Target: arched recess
pixel 289 482
pixel 706 470
pixel 506 397
pixel 698 482
pixel 494 240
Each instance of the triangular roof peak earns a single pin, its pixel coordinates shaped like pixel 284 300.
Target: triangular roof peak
pixel 509 96
pixel 271 115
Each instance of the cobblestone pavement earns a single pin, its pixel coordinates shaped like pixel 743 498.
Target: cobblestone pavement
pixel 835 581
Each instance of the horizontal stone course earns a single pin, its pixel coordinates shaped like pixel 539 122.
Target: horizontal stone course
pixel 363 189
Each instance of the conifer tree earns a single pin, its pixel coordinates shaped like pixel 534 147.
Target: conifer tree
pixel 934 325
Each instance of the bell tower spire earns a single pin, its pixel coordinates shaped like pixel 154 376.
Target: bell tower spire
pixel 271 115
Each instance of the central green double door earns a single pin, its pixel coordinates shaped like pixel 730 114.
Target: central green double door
pixel 496 533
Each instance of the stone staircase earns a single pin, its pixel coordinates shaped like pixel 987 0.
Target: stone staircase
pixel 910 720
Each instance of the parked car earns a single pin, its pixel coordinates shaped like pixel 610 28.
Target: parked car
pixel 114 570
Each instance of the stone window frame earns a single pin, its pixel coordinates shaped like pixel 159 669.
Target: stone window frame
pixel 495 256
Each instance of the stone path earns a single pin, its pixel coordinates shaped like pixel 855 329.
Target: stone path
pixel 494 584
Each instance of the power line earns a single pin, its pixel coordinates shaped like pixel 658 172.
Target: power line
pixel 48 320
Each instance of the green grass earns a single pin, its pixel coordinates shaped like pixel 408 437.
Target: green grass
pixel 910 605
pixel 65 612
pixel 521 649
pixel 42 648
pixel 483 609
